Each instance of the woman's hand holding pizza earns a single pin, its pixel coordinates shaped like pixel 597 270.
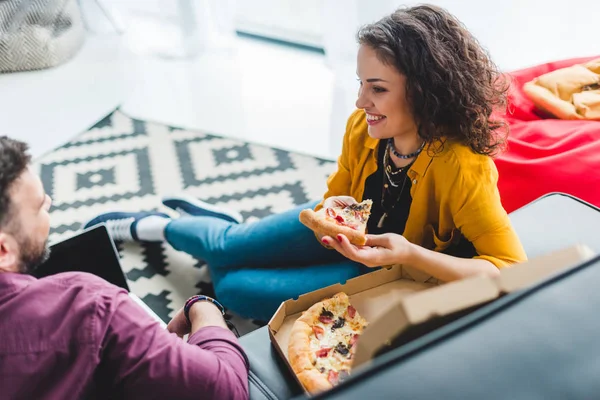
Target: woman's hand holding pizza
pixel 337 202
pixel 380 250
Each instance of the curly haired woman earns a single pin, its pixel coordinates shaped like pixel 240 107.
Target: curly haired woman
pixel 419 145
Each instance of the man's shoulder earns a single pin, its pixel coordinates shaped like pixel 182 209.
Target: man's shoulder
pixel 78 280
pixel 61 309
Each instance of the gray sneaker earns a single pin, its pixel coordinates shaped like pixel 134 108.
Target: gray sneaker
pixel 188 205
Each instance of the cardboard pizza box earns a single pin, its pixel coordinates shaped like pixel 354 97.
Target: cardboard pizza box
pixel 401 309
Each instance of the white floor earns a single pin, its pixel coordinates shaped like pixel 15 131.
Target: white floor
pixel 47 108
pixel 262 92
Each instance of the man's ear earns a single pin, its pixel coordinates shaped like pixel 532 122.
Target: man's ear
pixel 8 253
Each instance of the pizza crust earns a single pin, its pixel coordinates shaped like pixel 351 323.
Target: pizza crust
pixel 312 314
pixel 314 381
pixel 318 223
pixel 299 353
pixel 301 357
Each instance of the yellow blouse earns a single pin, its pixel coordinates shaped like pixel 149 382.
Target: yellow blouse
pixel 454 191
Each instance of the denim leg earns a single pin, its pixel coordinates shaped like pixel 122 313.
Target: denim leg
pixel 278 240
pixel 256 266
pixel 257 293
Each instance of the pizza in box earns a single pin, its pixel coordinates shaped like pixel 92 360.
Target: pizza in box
pixel 323 343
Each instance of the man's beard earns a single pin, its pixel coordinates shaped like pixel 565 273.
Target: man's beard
pixel 32 254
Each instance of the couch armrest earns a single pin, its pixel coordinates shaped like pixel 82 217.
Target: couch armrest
pixel 269 376
pixel 556 221
pixel 552 222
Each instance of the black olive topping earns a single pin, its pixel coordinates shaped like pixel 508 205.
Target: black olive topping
pixel 326 313
pixel 356 207
pixel 342 349
pixel 322 370
pixel 338 324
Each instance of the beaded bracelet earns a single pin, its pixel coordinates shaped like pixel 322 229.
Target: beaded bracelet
pixel 194 299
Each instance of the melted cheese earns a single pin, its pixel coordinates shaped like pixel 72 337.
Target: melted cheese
pixel 331 339
pixel 331 362
pixel 352 218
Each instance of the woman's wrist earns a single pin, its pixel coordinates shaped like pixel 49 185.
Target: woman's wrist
pixel 412 255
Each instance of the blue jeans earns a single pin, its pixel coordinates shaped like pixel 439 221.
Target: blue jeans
pixel 256 266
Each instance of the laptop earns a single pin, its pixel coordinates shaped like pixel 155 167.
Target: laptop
pixel 93 251
pixel 90 251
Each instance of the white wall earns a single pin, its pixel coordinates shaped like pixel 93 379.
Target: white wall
pixel 521 33
pixel 518 33
pixel 293 20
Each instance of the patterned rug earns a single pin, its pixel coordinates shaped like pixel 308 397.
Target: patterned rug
pixel 126 164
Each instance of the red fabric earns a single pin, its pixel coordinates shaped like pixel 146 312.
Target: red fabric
pixel 547 155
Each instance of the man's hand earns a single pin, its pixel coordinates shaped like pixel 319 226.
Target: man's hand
pixel 179 324
pixel 380 250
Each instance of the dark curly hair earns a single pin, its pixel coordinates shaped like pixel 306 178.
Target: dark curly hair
pixel 452 86
pixel 14 159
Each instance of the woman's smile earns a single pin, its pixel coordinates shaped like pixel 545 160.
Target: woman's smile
pixel 374 119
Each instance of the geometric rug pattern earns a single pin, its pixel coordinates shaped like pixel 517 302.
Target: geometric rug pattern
pixel 124 164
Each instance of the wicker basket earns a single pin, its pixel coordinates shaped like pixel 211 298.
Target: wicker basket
pixel 38 34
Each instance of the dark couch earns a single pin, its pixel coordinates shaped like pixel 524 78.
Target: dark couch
pixel 499 351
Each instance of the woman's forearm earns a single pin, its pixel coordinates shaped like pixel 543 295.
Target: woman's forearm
pixel 448 268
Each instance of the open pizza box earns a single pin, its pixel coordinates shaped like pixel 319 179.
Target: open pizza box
pixel 399 310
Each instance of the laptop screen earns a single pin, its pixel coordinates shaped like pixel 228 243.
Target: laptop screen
pixel 90 251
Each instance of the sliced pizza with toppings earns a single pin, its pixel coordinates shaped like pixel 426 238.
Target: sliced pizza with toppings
pixel 323 342
pixel 350 221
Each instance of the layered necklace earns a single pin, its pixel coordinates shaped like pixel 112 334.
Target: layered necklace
pixel 394 178
pixel 392 148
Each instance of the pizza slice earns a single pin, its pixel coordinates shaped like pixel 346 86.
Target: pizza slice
pixel 323 342
pixel 350 221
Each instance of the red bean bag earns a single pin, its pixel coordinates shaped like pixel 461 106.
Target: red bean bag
pixel 545 154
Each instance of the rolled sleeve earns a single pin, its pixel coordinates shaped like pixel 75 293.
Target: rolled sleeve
pixel 479 215
pixel 147 362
